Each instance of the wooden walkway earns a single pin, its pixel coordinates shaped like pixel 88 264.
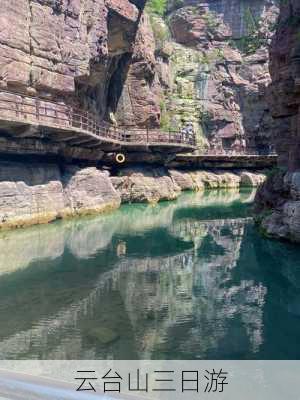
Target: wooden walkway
pixel 81 128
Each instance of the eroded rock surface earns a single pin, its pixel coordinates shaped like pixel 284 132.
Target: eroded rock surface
pixel 156 184
pixel 212 64
pixel 278 199
pixel 66 50
pixel 146 185
pixel 40 193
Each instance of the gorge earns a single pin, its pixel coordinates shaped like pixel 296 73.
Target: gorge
pixel 154 68
pixel 177 121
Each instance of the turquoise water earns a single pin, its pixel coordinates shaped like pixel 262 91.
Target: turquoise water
pixel 190 279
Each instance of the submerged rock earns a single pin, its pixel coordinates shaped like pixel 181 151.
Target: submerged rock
pixel 103 335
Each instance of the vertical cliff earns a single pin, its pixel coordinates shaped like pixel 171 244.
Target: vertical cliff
pixel 278 200
pixel 67 50
pixel 212 67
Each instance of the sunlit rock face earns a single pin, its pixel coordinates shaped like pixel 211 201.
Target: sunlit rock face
pixel 141 184
pixel 66 50
pixel 40 193
pixel 278 200
pixel 215 70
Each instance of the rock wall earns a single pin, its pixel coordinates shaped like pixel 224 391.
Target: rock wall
pixel 40 193
pixel 156 184
pixel 205 62
pixel 212 66
pixel 66 49
pixel 138 103
pixel 278 200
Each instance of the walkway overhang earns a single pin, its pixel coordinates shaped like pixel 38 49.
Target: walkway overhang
pixel 34 118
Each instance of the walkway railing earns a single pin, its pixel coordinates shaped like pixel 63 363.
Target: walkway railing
pixel 35 111
pixel 247 152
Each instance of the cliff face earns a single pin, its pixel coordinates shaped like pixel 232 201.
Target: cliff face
pixel 278 200
pixel 204 62
pixel 212 65
pixel 66 49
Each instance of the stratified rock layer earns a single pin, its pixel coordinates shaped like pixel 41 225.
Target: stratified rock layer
pixel 40 193
pixel 213 70
pixel 156 184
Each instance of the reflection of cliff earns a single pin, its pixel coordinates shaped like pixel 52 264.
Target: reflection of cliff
pixel 124 285
pixel 86 236
pixel 191 294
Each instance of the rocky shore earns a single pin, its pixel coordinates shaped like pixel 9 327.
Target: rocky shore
pixel 278 206
pixel 40 193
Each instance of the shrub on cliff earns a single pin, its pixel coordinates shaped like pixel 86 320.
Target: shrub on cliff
pixel 158 7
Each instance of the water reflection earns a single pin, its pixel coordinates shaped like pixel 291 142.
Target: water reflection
pixel 184 279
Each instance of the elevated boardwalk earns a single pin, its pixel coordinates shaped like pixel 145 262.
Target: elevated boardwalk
pixel 231 160
pixel 25 116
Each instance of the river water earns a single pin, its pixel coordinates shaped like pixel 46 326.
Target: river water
pixel 189 279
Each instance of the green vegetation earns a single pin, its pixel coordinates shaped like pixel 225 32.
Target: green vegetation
pixel 157 7
pixel 211 57
pixel 211 20
pixel 164 116
pixel 253 40
pixel 160 30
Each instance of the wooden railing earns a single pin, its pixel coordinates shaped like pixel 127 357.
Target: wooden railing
pixel 36 111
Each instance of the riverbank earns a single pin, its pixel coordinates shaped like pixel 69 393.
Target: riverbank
pixel 38 193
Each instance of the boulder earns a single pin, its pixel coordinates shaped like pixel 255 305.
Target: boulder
pixel 39 193
pixel 145 185
pixel 249 179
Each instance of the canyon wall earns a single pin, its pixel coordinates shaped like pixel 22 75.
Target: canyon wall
pixel 278 200
pixel 212 68
pixel 201 62
pixel 39 193
pixel 66 50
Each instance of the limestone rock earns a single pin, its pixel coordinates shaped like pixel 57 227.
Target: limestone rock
pixel 215 180
pixel 40 193
pixel 278 206
pixel 212 78
pixel 138 104
pixel 88 191
pixel 68 51
pixel 145 185
pixel 250 179
pixel 182 179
